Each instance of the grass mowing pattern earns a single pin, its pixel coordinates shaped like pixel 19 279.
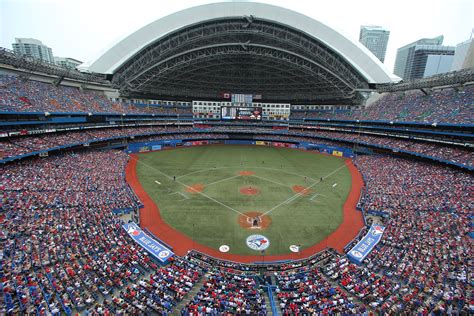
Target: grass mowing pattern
pixel 305 220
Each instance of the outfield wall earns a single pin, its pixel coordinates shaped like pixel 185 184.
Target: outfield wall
pixel 163 144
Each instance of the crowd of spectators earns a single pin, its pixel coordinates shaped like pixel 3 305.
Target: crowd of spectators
pixel 440 106
pixel 20 145
pixel 426 244
pixel 456 154
pixel 64 250
pixel 225 292
pixel 305 291
pixel 364 284
pixel 235 267
pixel 22 95
pixel 447 105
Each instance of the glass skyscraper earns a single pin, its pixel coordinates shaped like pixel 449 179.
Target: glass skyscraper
pixel 375 38
pixel 423 58
pixel 33 48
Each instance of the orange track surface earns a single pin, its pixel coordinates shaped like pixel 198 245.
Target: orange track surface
pixel 150 218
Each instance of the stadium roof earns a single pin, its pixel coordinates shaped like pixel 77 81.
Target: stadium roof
pixel 240 47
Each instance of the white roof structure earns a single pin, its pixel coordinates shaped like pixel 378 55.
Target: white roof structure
pixel 353 52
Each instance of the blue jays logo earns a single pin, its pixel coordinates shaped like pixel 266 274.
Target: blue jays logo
pixel 356 254
pixel 377 230
pixel 258 242
pixel 132 231
pixel 163 254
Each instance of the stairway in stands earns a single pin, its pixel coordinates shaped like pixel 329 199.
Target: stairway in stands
pixel 270 280
pixel 268 307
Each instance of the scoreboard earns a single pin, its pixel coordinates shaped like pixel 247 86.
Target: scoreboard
pixel 241 99
pixel 241 113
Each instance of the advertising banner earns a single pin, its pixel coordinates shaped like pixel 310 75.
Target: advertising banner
pixel 156 249
pixel 337 153
pixel 366 244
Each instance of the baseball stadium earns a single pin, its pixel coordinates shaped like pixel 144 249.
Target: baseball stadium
pixel 234 158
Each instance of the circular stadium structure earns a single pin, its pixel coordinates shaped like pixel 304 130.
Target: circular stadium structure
pixel 247 47
pixel 224 160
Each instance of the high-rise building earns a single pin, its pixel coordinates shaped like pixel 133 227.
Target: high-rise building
pixel 423 58
pixel 67 62
pixel 375 38
pixel 464 55
pixel 33 48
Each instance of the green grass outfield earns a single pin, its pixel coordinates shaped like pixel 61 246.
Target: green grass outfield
pixel 211 218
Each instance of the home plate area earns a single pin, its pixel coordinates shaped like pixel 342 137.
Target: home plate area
pixel 254 220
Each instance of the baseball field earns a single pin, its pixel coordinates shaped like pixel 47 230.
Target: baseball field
pixel 221 195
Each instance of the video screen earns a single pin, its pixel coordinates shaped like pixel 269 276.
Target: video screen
pixel 241 113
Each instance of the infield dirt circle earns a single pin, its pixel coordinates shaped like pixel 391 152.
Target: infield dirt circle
pixel 249 190
pixel 301 189
pixel 245 220
pixel 246 173
pixel 195 188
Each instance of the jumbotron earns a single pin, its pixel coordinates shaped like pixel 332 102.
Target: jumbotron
pixel 234 158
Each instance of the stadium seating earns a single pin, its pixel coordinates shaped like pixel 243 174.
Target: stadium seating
pixel 227 293
pixel 17 146
pixel 21 95
pixel 63 248
pixel 426 245
pixel 458 155
pixel 64 251
pixel 441 106
pixel 307 291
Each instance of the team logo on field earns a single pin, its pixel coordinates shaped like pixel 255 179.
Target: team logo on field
pixel 356 254
pixel 294 248
pixel 258 242
pixel 163 254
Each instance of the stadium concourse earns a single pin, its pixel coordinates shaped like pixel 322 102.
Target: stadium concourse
pixel 68 138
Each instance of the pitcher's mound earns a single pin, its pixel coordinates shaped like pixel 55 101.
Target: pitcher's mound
pixel 254 220
pixel 195 188
pixel 249 191
pixel 246 173
pixel 301 189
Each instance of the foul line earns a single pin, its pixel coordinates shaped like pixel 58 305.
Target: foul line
pixel 201 170
pixel 222 180
pixel 294 197
pixel 187 186
pixel 264 179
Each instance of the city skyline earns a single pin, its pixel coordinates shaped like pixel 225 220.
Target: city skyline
pixel 375 38
pixel 81 30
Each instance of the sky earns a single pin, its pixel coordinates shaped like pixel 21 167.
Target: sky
pixel 81 29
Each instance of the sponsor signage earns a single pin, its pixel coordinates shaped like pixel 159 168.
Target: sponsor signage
pixel 366 244
pixel 156 249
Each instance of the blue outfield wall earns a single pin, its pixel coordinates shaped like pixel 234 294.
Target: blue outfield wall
pixel 154 145
pixel 346 152
pixel 158 145
pixel 331 150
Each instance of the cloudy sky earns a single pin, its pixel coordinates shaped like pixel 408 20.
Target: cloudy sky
pixel 82 28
